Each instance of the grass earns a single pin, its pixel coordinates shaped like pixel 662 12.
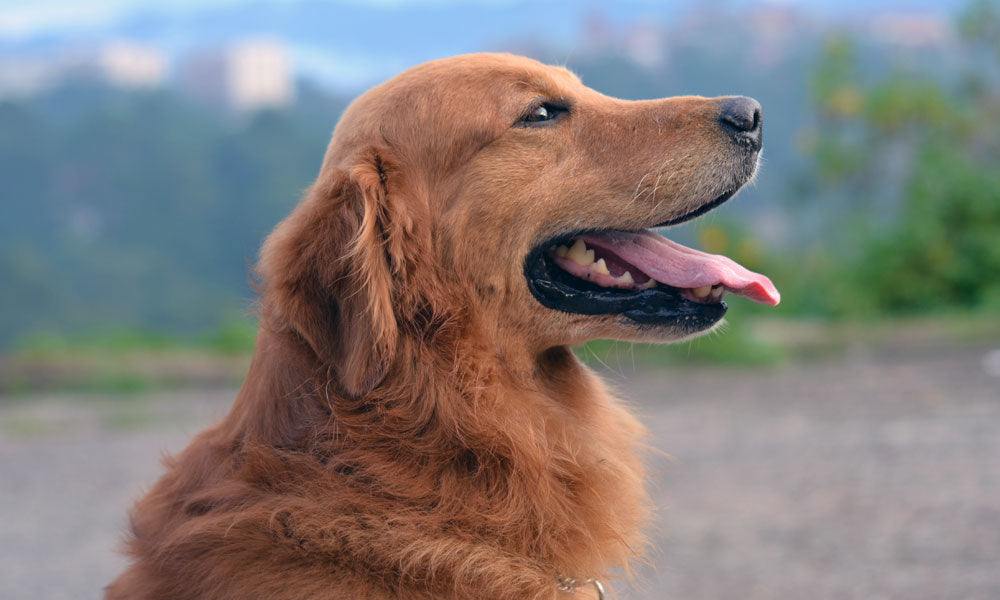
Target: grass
pixel 128 363
pixel 754 340
pixel 232 338
pixel 28 426
pixel 733 344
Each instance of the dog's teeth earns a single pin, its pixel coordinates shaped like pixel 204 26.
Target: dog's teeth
pixel 718 291
pixel 600 267
pixel 702 292
pixel 626 279
pixel 579 254
pixel 561 251
pixel 648 285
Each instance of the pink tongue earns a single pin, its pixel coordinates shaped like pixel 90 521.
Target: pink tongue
pixel 681 267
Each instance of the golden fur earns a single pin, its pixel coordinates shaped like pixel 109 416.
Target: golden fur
pixel 413 424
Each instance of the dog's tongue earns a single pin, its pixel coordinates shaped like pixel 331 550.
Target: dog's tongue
pixel 682 267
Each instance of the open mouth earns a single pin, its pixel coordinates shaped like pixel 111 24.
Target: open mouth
pixel 642 276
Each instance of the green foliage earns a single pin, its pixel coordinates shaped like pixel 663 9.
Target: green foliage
pixel 733 344
pixel 915 154
pixel 131 214
pixel 141 211
pixel 902 101
pixel 234 336
pixel 980 24
pixel 129 361
pixel 945 248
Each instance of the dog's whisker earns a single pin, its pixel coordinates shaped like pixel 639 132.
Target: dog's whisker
pixel 635 195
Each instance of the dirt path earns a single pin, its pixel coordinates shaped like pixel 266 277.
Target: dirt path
pixel 857 479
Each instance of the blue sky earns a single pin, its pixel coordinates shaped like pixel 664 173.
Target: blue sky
pixel 19 18
pixel 24 18
pixel 410 31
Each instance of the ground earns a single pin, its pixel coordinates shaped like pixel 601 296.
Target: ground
pixel 862 477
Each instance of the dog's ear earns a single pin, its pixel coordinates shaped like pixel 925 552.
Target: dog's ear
pixel 330 272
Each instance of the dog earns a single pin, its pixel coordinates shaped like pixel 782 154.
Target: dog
pixel 413 423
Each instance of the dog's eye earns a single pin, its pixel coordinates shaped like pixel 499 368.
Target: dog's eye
pixel 541 114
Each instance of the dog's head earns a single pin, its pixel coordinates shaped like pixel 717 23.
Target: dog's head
pixel 504 192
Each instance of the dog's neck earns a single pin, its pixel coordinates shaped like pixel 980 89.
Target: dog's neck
pixel 536 475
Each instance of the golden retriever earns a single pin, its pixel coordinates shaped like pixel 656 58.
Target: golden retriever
pixel 414 424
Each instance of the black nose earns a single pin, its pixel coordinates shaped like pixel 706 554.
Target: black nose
pixel 740 118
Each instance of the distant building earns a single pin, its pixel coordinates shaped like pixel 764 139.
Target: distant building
pixel 260 75
pixel 119 63
pixel 201 75
pixel 27 76
pixel 643 42
pixel 646 45
pixel 775 30
pixel 912 30
pixel 246 76
pixel 127 64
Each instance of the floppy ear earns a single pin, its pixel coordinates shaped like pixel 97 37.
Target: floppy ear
pixel 328 272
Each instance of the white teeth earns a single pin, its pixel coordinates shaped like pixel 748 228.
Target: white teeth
pixel 702 292
pixel 718 291
pixel 579 254
pixel 584 257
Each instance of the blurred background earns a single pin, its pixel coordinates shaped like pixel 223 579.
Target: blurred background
pixel 843 445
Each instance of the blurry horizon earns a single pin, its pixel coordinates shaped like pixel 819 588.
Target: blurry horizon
pixel 147 151
pixel 347 46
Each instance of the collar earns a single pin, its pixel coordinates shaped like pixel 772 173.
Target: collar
pixel 570 585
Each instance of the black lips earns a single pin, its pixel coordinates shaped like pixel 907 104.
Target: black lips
pixel 660 306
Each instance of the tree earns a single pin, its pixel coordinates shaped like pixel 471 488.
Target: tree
pixel 914 155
